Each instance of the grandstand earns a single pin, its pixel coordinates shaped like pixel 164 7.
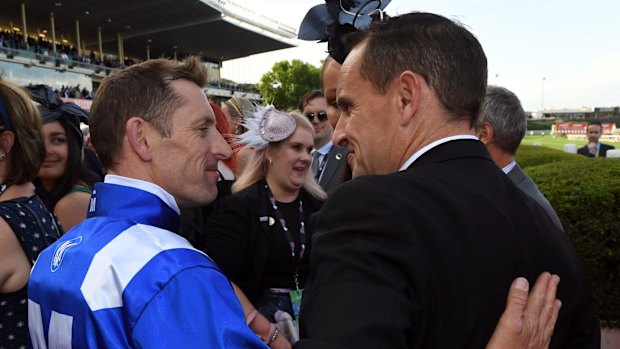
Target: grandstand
pixel 94 37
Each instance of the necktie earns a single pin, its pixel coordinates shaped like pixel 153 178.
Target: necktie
pixel 315 162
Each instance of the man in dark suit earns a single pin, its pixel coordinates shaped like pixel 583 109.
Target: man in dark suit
pixel 594 148
pixel 416 251
pixel 501 127
pixel 328 159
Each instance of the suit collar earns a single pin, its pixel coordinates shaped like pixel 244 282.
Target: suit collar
pixel 430 146
pixel 453 149
pixel 264 211
pixel 516 174
pixel 335 159
pixel 265 217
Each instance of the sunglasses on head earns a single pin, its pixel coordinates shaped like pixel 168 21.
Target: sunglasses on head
pixel 322 115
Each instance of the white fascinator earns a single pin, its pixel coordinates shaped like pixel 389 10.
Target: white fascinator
pixel 267 125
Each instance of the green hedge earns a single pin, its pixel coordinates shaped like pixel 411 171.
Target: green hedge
pixel 585 193
pixel 539 124
pixel 529 155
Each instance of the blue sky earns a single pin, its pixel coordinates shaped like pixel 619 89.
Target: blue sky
pixel 574 45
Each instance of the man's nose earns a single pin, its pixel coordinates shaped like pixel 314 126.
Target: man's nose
pixel 220 147
pixel 340 137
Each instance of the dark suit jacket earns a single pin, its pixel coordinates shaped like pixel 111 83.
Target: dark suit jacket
pixel 239 241
pixel 602 153
pixel 525 183
pixel 332 173
pixel 424 258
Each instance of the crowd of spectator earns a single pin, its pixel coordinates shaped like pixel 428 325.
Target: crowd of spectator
pixel 68 54
pixel 74 92
pixel 45 50
pixel 12 39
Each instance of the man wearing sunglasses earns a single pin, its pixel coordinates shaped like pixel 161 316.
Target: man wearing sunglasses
pixel 328 160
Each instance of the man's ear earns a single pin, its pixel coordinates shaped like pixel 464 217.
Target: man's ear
pixel 485 132
pixel 409 90
pixel 137 131
pixel 7 139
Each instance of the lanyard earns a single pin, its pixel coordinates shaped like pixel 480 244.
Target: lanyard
pixel 321 166
pixel 289 237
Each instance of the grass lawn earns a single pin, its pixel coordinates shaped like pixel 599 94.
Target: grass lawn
pixel 550 141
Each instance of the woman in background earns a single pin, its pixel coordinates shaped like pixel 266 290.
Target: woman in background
pixel 236 110
pixel 260 236
pixel 26 226
pixel 223 126
pixel 63 183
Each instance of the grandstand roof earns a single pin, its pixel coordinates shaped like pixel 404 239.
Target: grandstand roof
pixel 218 30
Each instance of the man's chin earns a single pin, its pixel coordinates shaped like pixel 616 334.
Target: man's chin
pixel 210 197
pixel 203 200
pixel 355 174
pixel 354 169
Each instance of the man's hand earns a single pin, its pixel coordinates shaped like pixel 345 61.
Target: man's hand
pixel 528 320
pixel 592 147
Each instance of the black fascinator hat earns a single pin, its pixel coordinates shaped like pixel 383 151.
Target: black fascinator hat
pixel 337 20
pixel 53 108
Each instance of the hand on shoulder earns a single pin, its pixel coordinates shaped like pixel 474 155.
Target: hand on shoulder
pixel 529 319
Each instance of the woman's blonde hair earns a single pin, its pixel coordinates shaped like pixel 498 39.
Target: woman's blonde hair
pixel 258 165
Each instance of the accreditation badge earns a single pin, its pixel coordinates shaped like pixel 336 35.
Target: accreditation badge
pixel 296 302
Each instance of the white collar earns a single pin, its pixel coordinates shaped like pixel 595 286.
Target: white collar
pixel 324 150
pixel 146 186
pixel 430 146
pixel 509 167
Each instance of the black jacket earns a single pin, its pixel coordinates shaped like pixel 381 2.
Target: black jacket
pixel 602 153
pixel 424 258
pixel 238 235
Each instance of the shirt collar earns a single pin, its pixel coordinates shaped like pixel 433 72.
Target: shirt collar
pixel 430 146
pixel 146 186
pixel 325 148
pixel 509 167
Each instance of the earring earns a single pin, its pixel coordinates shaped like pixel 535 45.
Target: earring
pixel 2 156
pixel 270 162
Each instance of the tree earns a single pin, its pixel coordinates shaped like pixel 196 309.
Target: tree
pixel 286 82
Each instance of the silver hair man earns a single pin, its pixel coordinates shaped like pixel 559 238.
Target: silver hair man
pixel 501 126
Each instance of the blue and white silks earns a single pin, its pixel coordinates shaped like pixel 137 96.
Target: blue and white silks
pixel 122 279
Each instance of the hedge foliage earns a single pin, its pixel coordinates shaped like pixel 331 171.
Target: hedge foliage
pixel 585 193
pixel 539 124
pixel 529 155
